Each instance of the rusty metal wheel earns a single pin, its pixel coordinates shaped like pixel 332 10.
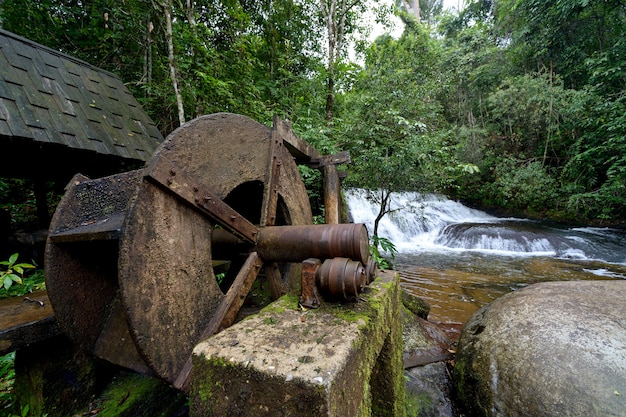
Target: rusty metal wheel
pixel 200 200
pixel 165 264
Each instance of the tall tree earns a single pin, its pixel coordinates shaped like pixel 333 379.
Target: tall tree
pixel 391 122
pixel 424 11
pixel 169 39
pixel 341 19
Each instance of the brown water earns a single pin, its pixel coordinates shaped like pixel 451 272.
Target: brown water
pixel 456 285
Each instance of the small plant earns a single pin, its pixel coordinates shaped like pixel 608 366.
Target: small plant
pixel 380 246
pixel 13 271
pixel 7 376
pixel 23 412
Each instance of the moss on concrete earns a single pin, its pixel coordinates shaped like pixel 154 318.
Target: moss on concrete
pixel 136 395
pixel 226 389
pixel 343 359
pixel 53 378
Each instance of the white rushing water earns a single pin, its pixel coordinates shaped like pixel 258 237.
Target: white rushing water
pixel 420 223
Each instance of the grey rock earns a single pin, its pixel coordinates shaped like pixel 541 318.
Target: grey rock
pixel 428 391
pixel 550 349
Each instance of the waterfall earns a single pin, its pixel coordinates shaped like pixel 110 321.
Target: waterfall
pixel 426 222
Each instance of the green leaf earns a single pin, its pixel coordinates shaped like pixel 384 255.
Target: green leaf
pixel 7 282
pixel 13 258
pixel 15 278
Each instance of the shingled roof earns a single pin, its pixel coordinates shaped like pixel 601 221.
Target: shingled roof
pixel 51 102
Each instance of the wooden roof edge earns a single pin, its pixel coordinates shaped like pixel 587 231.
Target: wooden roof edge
pixel 57 53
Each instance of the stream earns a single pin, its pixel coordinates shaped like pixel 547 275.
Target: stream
pixel 460 259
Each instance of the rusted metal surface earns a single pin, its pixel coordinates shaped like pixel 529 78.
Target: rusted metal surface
pixel 370 269
pixel 165 266
pixel 93 209
pixel 309 296
pixel 322 241
pixel 342 278
pixel 272 180
pixel 142 292
pixel 189 189
pixel 224 315
pixel 269 209
pixel 303 151
pixel 81 253
pixel 116 344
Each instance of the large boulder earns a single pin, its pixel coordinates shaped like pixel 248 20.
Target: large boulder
pixel 550 349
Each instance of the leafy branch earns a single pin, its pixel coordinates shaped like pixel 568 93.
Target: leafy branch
pixel 13 272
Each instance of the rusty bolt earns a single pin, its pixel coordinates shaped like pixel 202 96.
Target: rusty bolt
pixel 172 171
pixel 233 218
pixel 207 198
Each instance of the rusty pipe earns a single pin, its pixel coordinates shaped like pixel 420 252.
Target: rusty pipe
pixel 321 241
pixel 341 277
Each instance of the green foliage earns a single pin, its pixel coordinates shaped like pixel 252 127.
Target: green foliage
pixel 12 271
pixel 18 200
pixel 31 283
pixel 532 115
pixel 390 121
pixel 565 33
pixel 7 377
pixel 313 183
pixel 522 186
pixel 383 252
pixel 500 93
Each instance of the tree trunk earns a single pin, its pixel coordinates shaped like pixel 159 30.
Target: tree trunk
pixel 415 8
pixel 330 98
pixel 167 4
pixel 335 14
pixel 382 209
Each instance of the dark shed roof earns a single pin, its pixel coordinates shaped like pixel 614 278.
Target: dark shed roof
pixel 53 105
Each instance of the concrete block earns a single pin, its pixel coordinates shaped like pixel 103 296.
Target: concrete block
pixel 341 360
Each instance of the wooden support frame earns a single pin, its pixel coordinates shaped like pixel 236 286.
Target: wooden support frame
pixel 305 154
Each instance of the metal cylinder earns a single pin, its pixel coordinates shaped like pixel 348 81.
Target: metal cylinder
pixel 322 241
pixel 341 277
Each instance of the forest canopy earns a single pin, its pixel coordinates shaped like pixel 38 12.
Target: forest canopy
pixel 516 105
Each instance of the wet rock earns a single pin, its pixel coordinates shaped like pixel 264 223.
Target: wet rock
pixel 416 305
pixel 428 391
pixel 424 342
pixel 550 349
pixel 427 352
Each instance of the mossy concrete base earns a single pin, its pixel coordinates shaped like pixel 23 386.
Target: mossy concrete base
pixel 53 378
pixel 343 359
pixel 56 379
pixel 135 395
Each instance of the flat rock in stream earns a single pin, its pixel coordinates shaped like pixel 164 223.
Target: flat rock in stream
pixel 550 349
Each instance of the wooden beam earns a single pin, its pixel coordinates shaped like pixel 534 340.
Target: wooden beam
pixel 26 320
pixel 301 150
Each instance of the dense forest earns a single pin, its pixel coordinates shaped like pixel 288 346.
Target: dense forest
pixel 515 105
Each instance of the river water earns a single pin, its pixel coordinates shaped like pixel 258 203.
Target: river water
pixel 460 259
